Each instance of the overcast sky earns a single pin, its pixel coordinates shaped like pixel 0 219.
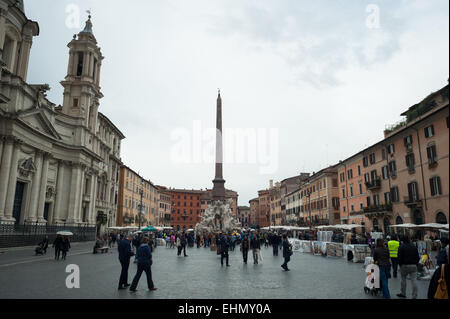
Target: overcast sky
pixel 314 81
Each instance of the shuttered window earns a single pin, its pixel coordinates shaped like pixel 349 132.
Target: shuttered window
pixel 429 131
pixel 431 153
pixel 410 161
pixel 435 185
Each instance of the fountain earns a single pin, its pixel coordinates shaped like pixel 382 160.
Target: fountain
pixel 218 216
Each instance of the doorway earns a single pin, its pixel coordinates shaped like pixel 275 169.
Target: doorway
pixel 18 198
pixel 46 210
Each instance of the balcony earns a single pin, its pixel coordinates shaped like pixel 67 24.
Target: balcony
pixel 412 201
pixel 374 184
pixel 378 208
pixel 432 162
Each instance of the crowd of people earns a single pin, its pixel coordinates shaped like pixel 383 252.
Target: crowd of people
pixel 391 252
pixel 401 253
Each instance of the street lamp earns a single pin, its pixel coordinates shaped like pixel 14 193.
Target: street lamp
pixel 141 192
pixel 308 194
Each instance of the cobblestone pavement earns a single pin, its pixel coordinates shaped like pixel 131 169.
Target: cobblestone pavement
pixel 199 275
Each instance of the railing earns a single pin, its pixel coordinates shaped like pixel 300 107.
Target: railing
pixel 378 208
pixel 374 184
pixel 31 234
pixel 432 162
pixel 410 201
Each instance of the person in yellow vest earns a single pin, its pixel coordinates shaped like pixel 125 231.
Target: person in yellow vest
pixel 393 245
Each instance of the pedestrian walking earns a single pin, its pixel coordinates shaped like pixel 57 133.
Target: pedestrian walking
pixel 65 247
pixel 245 245
pixel 275 243
pixel 255 245
pixel 179 247
pixel 266 240
pixel 144 263
pixel 58 244
pixel 125 253
pixel 172 241
pixel 381 258
pixel 408 258
pixel 393 246
pixel 224 248
pixel 136 243
pixel 197 240
pixel 114 239
pixel 233 242
pixel 442 256
pixel 287 252
pixel 183 244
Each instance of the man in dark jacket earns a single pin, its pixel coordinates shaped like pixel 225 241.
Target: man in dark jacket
pixel 125 253
pixel 184 243
pixel 136 243
pixel 255 246
pixel 408 258
pixel 58 244
pixel 245 244
pixel 275 243
pixel 287 252
pixel 224 247
pixel 144 262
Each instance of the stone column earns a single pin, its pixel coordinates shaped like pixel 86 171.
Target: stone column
pixel 22 67
pixel 35 184
pixel 78 214
pixel 11 191
pixel 2 31
pixel 43 188
pixel 59 193
pixel 98 73
pixel 91 65
pixel 93 197
pixel 74 194
pixel 1 148
pixel 70 64
pixel 75 63
pixel 85 64
pixel 4 171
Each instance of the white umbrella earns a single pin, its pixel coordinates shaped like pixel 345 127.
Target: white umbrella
pixel 64 233
pixel 433 225
pixel 190 229
pixel 404 226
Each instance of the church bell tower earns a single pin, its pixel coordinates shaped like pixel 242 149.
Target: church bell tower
pixel 82 82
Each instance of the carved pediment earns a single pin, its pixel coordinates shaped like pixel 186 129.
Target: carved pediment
pixel 26 167
pixel 38 120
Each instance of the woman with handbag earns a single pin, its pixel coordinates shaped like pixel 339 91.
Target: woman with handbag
pixel 438 288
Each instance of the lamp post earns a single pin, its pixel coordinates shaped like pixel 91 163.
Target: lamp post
pixel 308 194
pixel 141 192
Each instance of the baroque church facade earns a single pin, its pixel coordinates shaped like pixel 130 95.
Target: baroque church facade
pixel 59 164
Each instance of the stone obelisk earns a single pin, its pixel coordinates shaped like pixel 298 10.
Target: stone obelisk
pixel 218 192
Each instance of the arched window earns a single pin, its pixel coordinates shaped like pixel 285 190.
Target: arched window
pixel 399 220
pixel 441 218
